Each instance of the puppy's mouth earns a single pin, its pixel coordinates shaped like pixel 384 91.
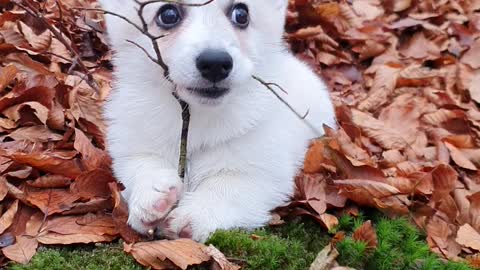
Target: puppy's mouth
pixel 209 92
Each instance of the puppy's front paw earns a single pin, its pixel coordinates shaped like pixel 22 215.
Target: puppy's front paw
pixel 152 199
pixel 187 222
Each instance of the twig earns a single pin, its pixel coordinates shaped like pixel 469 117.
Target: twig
pixel 182 163
pixel 303 117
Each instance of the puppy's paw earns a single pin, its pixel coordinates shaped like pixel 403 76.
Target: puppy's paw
pixel 186 222
pixel 152 199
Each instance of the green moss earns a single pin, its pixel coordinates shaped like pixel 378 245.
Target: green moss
pixel 293 246
pixel 400 247
pixel 88 257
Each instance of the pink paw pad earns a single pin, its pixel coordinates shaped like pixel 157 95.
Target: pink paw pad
pixel 163 206
pixel 186 232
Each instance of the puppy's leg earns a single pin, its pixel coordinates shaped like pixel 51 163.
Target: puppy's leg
pixel 152 189
pixel 225 201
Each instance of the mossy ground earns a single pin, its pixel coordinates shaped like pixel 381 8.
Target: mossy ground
pixel 290 247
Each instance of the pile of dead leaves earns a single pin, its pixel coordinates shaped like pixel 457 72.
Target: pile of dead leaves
pixel 405 79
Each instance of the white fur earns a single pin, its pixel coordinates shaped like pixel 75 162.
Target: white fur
pixel 244 149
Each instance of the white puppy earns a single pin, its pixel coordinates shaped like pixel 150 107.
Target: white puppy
pixel 244 146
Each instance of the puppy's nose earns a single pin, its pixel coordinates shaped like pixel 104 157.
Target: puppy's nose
pixel 214 65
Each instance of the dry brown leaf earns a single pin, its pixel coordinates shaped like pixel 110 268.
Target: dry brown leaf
pixel 368 9
pixel 314 157
pixel 467 236
pixel 50 181
pixel 401 5
pixel 364 191
pixel 220 262
pixel 459 158
pixel 330 221
pixel 444 179
pixel 475 210
pixel 325 260
pixel 383 85
pixel 6 220
pixel 160 254
pixel 48 162
pixel 51 201
pixel 35 134
pixel 22 251
pixel 93 184
pixel 92 156
pixel 378 131
pixel 366 233
pixel 420 47
pixel 3 188
pixel 7 74
pixel 471 56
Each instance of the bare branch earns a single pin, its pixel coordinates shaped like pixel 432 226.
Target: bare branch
pixel 300 116
pixel 144 50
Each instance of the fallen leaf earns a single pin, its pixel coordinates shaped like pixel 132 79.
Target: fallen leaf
pixel 7 74
pixel 6 220
pixel 22 251
pixel 220 261
pixel 158 254
pixel 51 201
pixel 93 184
pixel 467 236
pixel 366 233
pixel 325 260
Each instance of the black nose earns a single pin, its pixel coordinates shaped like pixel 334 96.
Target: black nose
pixel 214 66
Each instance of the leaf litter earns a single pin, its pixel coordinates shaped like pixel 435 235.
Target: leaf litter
pixel 404 77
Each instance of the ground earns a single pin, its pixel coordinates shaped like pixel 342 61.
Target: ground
pixel 292 246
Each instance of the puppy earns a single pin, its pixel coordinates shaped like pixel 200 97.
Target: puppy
pixel 244 147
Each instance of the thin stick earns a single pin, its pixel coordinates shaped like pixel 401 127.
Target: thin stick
pixel 182 168
pixel 300 116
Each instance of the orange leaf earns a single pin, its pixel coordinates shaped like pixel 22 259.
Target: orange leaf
pixel 7 74
pixel 22 251
pixel 3 188
pixel 467 236
pixel 158 254
pixel 92 156
pixel 366 233
pixel 93 184
pixel 52 201
pixel 7 218
pixel 220 262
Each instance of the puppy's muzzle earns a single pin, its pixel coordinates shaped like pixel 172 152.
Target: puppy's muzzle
pixel 214 65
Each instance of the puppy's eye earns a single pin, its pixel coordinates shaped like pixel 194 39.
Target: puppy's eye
pixel 239 15
pixel 168 16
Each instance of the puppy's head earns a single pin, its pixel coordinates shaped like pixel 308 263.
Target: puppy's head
pixel 211 50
